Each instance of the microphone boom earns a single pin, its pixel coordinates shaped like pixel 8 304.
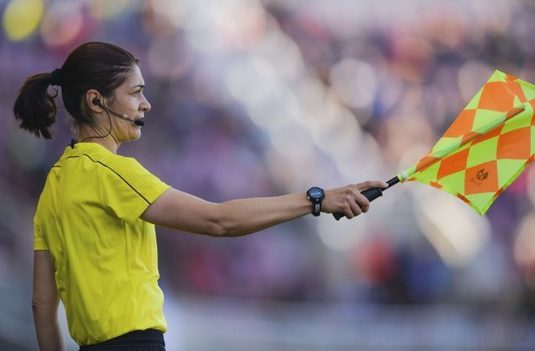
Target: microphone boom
pixel 124 116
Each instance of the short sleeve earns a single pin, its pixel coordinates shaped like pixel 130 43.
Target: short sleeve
pixel 128 189
pixel 39 241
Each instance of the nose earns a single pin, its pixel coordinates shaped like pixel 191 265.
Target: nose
pixel 145 105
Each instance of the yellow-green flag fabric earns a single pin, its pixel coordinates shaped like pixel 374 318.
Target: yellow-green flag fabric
pixel 487 146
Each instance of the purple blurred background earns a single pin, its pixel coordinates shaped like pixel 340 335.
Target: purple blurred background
pixel 259 98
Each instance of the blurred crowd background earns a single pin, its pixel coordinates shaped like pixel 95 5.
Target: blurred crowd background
pixel 265 97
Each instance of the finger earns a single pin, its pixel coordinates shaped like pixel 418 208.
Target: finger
pixel 348 201
pixel 357 202
pixel 372 184
pixel 355 208
pixel 362 202
pixel 347 211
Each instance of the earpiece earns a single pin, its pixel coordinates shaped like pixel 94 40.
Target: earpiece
pixel 96 101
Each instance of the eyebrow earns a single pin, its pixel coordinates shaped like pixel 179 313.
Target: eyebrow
pixel 138 86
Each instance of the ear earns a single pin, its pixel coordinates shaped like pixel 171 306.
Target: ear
pixel 94 100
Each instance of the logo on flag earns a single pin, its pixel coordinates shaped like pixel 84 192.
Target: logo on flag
pixel 480 176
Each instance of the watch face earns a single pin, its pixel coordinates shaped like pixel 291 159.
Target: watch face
pixel 315 193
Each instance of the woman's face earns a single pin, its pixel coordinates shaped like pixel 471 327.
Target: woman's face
pixel 130 102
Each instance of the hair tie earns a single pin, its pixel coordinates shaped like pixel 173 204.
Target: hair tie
pixel 55 77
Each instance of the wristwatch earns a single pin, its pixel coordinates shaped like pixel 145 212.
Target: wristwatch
pixel 316 196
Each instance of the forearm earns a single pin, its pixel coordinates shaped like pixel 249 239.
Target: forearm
pixel 47 328
pixel 245 216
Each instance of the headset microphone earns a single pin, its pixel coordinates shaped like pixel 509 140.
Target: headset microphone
pixel 124 116
pixel 137 122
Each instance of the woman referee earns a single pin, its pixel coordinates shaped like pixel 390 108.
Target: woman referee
pixel 94 237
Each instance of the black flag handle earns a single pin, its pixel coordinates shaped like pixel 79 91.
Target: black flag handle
pixel 371 194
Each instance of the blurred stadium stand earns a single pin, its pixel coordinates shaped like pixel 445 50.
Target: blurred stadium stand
pixel 258 98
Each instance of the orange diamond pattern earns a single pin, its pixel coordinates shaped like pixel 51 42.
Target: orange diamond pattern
pixel 515 144
pixel 462 123
pixel 497 96
pixel 453 164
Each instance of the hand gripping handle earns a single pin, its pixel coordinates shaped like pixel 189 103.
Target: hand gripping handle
pixel 371 194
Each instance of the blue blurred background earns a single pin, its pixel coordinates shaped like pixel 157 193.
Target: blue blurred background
pixel 259 98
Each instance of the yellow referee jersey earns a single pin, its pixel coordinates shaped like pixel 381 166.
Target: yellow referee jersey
pixel 105 256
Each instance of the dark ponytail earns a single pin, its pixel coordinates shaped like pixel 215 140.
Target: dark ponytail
pixel 93 65
pixel 35 107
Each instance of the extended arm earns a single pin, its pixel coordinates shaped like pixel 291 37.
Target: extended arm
pixel 45 303
pixel 182 211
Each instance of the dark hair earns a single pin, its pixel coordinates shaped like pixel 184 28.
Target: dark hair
pixel 93 65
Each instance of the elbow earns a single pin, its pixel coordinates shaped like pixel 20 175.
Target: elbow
pixel 222 229
pixel 218 230
pixel 216 224
pixel 220 224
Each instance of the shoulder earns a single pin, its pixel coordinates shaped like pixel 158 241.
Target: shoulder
pixel 122 164
pixel 119 175
pixel 94 155
pixel 127 169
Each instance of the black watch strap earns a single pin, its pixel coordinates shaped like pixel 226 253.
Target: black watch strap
pixel 316 208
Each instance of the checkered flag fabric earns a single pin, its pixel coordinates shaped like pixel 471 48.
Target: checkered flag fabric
pixel 486 147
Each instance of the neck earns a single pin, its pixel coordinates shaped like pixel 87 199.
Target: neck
pixel 92 135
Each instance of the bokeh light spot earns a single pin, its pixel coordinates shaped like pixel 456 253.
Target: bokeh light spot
pixel 21 18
